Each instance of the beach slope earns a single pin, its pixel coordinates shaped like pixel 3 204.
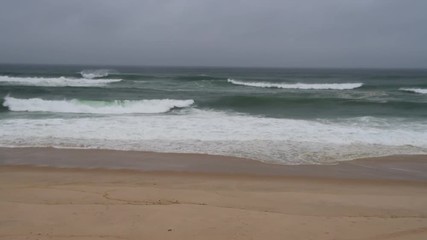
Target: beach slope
pixel 80 204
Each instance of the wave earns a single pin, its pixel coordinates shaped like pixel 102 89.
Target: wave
pixel 415 90
pixel 56 82
pixel 304 86
pixel 197 78
pixel 96 73
pixel 96 107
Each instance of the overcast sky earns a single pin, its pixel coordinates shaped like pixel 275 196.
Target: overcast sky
pixel 272 33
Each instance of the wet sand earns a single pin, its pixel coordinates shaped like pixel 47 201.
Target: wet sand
pixel 99 194
pixel 411 167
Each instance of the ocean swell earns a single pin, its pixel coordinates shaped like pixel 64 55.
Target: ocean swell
pixel 304 86
pixel 95 107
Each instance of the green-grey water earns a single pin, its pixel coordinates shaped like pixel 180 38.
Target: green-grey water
pixel 287 116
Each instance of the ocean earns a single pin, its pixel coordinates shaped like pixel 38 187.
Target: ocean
pixel 283 116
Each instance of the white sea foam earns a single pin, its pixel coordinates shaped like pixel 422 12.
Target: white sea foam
pixel 415 90
pixel 304 86
pixel 56 82
pixel 95 73
pixel 285 141
pixel 96 107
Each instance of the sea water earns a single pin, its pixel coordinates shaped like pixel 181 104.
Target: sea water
pixel 285 116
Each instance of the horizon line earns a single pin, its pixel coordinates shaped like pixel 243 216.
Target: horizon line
pixel 214 66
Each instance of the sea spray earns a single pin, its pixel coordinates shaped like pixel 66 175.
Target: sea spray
pixel 96 73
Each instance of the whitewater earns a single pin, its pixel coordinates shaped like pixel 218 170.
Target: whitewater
pixel 283 141
pixel 56 82
pixel 96 73
pixel 96 107
pixel 305 86
pixel 415 90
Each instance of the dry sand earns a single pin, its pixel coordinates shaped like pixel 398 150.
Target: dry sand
pixel 184 200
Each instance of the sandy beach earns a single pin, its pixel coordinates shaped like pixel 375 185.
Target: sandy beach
pixel 84 194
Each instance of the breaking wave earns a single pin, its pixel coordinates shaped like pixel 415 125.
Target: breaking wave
pixel 96 107
pixel 415 90
pixel 56 82
pixel 304 86
pixel 95 73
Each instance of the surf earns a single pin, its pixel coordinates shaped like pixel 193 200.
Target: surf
pixel 303 86
pixel 94 107
pixel 288 141
pixel 96 73
pixel 56 82
pixel 415 90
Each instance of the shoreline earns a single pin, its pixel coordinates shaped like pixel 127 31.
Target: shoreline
pixel 400 167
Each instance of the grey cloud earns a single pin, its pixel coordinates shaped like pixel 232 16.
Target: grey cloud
pixel 291 33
